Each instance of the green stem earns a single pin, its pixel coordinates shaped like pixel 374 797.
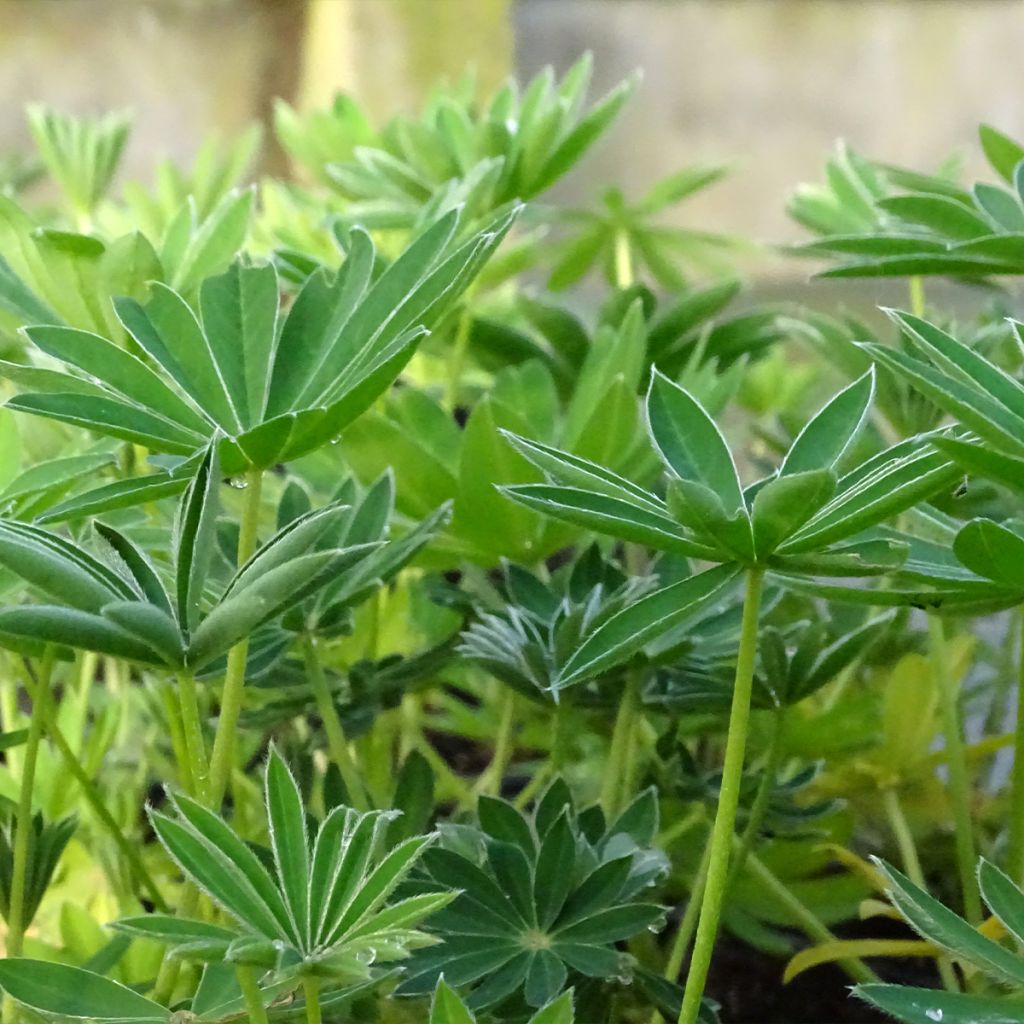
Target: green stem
pixel 812 926
pixel 16 922
pixel 762 799
pixel 337 742
pixel 723 832
pixel 43 707
pixel 618 753
pixel 311 993
pixel 251 994
pixel 1016 852
pixel 959 780
pixel 223 755
pixel 912 865
pixel 195 745
pixel 176 733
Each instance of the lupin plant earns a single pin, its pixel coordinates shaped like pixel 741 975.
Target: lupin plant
pixel 384 635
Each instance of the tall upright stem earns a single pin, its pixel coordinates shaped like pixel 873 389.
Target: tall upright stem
pixel 23 828
pixel 223 755
pixel 1016 853
pixel 723 831
pixel 337 742
pixel 956 764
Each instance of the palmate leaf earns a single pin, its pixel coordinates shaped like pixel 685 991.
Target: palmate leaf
pixel 805 519
pixel 225 370
pixel 118 604
pixel 318 904
pixel 543 896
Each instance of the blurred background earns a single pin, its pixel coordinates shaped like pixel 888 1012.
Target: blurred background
pixel 767 85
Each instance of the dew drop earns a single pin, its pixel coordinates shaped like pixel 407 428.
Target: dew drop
pixel 239 483
pixel 933 1014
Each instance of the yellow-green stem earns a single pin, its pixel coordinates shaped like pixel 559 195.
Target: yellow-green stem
pixel 723 831
pixel 311 994
pixel 623 261
pixel 43 707
pixel 251 994
pixel 491 779
pixel 812 926
pixel 956 764
pixel 16 922
pixel 337 742
pixel 223 757
pixel 916 287
pixel 195 745
pixel 1016 852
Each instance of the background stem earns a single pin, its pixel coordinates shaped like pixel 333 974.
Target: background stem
pixel 252 995
pixel 16 922
pixel 337 742
pixel 1016 853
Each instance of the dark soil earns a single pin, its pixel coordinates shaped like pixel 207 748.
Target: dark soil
pixel 748 984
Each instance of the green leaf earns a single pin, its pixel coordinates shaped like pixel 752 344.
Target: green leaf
pixel 610 516
pixel 71 992
pixel 1004 898
pixel 690 442
pixel 544 978
pixel 589 129
pixel 558 1011
pixel 626 632
pixel 928 1005
pixel 785 504
pixel 195 537
pixel 239 312
pixel 831 431
pixel 171 930
pixel 51 624
pixel 941 214
pixel 1001 151
pixel 287 821
pixel 937 924
pixel 447 1008
pixel 992 551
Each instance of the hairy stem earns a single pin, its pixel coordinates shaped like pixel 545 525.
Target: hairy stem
pixel 723 831
pixel 42 706
pixel 337 742
pixel 16 922
pixel 251 994
pixel 223 755
pixel 959 779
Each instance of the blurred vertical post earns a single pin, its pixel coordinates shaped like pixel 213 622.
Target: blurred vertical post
pixel 391 52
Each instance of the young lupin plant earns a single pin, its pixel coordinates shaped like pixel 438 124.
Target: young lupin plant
pixel 805 520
